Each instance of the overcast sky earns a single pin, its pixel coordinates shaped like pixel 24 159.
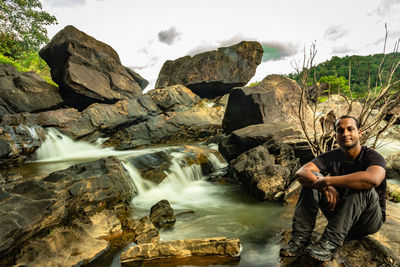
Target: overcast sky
pixel 146 33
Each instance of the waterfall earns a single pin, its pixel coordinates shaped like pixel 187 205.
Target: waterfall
pixel 59 148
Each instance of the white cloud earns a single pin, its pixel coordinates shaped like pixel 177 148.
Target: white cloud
pixel 334 33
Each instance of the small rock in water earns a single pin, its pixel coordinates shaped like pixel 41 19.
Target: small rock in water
pixel 162 215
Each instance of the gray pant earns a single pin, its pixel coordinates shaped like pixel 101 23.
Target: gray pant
pixel 358 213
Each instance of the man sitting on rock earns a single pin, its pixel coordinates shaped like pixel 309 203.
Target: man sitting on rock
pixel 352 197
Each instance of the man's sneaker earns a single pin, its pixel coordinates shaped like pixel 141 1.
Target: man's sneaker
pixel 324 250
pixel 295 247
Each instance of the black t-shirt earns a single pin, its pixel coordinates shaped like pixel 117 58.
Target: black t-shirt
pixel 333 163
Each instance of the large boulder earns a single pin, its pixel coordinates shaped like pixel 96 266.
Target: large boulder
pixel 26 92
pixel 213 73
pixel 31 206
pixel 275 99
pixel 18 143
pixel 87 70
pixel 266 170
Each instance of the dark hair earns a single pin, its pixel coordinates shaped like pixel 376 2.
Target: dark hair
pixel 346 117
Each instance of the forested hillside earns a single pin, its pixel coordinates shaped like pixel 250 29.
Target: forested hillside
pixel 335 72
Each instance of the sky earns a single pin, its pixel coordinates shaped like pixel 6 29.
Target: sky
pixel 146 33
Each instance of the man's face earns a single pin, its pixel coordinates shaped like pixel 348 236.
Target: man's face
pixel 347 134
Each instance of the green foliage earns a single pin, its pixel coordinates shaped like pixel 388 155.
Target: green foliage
pixel 22 27
pixel 335 84
pixel 364 71
pixel 254 84
pixel 322 99
pixel 9 61
pixel 30 62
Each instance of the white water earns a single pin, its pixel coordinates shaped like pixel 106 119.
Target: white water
pixel 60 148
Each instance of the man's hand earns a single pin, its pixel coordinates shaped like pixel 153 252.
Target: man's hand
pixel 330 193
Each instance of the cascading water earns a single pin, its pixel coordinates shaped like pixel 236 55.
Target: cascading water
pixel 218 209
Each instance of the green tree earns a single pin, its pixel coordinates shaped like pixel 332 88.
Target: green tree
pixel 22 26
pixel 336 84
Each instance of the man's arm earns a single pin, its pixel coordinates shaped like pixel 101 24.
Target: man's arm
pixel 370 178
pixel 305 175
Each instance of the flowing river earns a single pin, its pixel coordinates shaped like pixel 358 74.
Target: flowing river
pixel 217 209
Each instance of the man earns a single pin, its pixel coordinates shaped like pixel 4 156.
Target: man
pixel 352 197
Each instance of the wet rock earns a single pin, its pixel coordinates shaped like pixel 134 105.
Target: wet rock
pixel 265 171
pixel 18 143
pixel 243 139
pixel 220 246
pixel 172 127
pixel 87 70
pixel 213 73
pixel 143 229
pixel 31 206
pixel 26 92
pixel 174 98
pixel 79 243
pixel 162 215
pixel 275 99
pixel 153 166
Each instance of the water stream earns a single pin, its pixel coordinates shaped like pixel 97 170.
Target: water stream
pixel 217 209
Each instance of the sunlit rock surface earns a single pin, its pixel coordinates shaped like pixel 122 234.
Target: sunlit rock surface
pixel 213 73
pixel 26 92
pixel 87 70
pixel 79 243
pixel 143 230
pixel 220 246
